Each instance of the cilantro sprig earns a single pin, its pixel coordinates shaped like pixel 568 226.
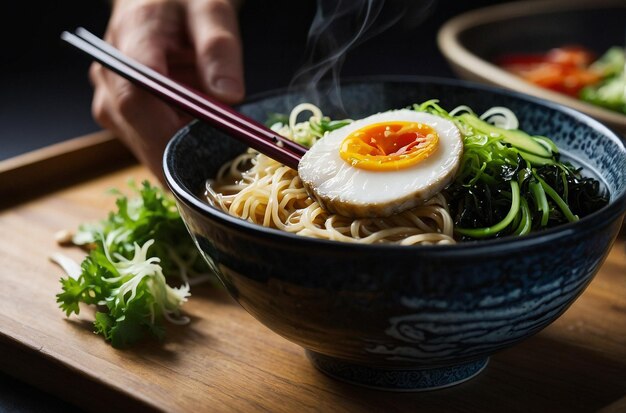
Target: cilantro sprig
pixel 124 275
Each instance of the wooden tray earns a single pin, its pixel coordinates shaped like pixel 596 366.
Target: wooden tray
pixel 227 361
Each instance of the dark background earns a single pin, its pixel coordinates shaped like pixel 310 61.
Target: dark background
pixel 46 95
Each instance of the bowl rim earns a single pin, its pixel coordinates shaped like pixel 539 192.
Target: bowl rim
pixel 615 208
pixel 457 54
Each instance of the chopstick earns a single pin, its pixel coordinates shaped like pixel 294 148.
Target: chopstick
pixel 241 127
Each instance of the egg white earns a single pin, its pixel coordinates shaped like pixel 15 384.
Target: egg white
pixel 346 190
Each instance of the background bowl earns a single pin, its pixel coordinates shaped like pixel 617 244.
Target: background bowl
pixel 472 40
pixel 403 318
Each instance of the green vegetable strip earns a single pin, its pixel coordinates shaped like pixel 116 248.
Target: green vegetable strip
pixel 551 146
pixel 486 232
pixel 525 224
pixel 536 160
pixel 317 128
pixel 336 124
pixel 559 201
pixel 563 174
pixel 516 138
pixel 541 201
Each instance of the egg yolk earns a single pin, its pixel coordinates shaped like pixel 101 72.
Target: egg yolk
pixel 389 146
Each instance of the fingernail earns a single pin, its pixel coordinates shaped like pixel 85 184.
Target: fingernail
pixel 228 87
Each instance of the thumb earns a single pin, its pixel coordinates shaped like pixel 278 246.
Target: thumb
pixel 214 31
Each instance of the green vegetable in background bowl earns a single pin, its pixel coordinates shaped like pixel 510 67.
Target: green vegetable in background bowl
pixel 611 91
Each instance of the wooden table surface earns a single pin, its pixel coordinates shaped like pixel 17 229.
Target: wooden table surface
pixel 227 361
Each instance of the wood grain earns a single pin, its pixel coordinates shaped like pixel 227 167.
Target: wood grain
pixel 227 361
pixel 55 166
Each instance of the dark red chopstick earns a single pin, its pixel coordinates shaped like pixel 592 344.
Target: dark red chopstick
pixel 236 124
pixel 194 95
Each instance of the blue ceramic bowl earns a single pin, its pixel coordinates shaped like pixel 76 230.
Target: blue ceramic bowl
pixel 393 317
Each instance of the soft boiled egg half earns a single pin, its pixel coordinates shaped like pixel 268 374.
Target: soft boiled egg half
pixel 383 164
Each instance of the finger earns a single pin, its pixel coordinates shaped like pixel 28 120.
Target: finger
pixel 142 121
pixel 214 31
pixel 154 32
pixel 145 122
pixel 145 133
pixel 98 104
pixel 148 149
pixel 148 124
pixel 183 68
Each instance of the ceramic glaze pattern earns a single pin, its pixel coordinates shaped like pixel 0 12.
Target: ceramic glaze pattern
pixel 432 332
pixel 404 317
pixel 442 329
pixel 397 380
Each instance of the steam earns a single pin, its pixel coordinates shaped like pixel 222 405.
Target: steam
pixel 338 27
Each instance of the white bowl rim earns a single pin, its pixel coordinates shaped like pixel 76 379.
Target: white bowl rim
pixel 455 52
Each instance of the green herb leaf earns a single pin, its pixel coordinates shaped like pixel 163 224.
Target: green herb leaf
pixel 124 273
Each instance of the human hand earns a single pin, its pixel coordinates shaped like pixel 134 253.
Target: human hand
pixel 195 42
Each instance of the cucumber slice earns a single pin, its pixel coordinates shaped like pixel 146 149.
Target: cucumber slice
pixel 547 143
pixel 536 160
pixel 515 137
